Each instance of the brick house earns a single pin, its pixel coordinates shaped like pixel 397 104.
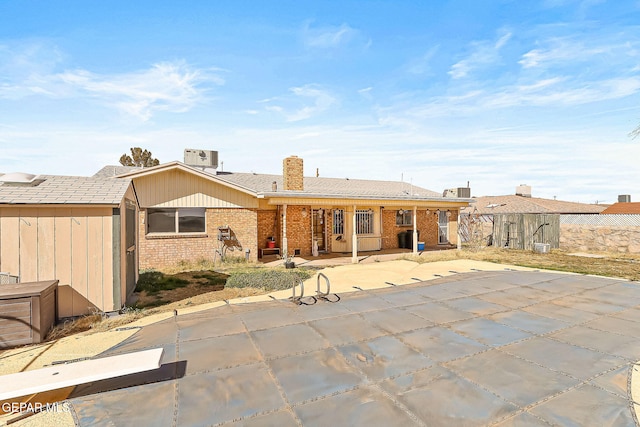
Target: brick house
pixel 190 212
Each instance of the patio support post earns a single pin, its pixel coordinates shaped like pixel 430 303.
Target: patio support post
pixel 284 231
pixel 459 235
pixel 354 240
pixel 415 230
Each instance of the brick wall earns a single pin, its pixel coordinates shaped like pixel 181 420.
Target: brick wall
pixel 427 224
pixel 166 251
pixel 267 227
pixel 293 173
pixel 299 229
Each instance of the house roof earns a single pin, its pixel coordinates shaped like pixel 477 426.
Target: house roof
pixel 623 208
pixel 335 187
pixel 520 204
pixel 54 189
pixel 261 185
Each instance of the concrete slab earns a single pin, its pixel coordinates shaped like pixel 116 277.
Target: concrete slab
pixel 430 353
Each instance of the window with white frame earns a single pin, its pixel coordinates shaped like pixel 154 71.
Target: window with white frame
pixel 338 221
pixel 404 217
pixel 364 221
pixel 176 220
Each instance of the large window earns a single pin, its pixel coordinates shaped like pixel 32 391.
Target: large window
pixel 404 217
pixel 364 221
pixel 176 220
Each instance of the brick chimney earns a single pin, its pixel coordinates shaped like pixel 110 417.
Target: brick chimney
pixel 292 172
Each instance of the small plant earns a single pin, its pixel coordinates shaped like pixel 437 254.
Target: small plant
pixel 270 279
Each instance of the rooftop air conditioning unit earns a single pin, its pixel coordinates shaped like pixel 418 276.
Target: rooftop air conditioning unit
pixel 203 158
pixel 624 198
pixel 463 192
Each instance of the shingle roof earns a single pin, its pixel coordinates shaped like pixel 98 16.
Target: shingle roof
pixel 520 204
pixel 111 171
pixel 340 187
pixel 54 189
pixel 623 208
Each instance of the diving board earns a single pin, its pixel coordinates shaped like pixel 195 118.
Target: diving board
pixel 76 373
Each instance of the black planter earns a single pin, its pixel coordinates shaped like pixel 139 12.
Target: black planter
pixel 289 264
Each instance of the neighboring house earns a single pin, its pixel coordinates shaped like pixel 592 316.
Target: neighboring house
pixel 630 208
pixel 522 202
pixel 186 210
pixel 477 220
pixel 79 230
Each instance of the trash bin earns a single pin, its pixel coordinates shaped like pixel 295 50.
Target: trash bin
pixel 420 246
pixel 402 239
pixel 409 238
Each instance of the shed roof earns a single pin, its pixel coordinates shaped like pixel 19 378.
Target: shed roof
pixel 55 189
pixel 623 208
pixel 520 204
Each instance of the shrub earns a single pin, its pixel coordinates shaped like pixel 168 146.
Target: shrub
pixel 271 279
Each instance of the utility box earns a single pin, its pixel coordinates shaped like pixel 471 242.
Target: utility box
pixel 28 311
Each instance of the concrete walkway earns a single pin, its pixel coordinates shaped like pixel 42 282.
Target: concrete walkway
pixel 466 347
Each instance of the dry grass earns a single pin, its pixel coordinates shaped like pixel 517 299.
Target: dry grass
pixel 626 266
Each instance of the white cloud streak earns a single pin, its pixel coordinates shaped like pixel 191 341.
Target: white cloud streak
pixel 327 37
pixel 320 101
pixel 483 53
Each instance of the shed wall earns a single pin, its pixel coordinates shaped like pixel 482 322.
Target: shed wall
pixel 73 245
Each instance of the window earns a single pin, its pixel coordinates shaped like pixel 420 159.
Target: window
pixel 176 220
pixel 404 217
pixel 338 221
pixel 364 221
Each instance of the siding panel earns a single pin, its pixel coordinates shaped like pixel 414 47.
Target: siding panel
pixel 63 261
pixel 181 189
pixel 28 244
pixel 9 241
pixel 46 244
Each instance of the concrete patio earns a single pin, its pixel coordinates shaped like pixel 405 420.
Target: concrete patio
pixel 499 348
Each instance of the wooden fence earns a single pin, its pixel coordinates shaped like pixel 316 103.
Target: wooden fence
pixel 521 231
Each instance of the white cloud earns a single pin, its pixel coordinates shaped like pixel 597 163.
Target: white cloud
pixel 31 68
pixel 483 53
pixel 327 37
pixel 166 86
pixel 320 101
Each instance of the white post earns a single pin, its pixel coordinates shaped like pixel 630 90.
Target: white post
pixel 284 230
pixel 415 230
pixel 459 235
pixel 354 240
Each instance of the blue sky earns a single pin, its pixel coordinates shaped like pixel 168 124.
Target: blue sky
pixel 437 93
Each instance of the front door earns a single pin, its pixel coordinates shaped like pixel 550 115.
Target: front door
pixel 319 234
pixel 443 228
pixel 130 244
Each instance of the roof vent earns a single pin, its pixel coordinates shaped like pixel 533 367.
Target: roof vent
pixel 20 179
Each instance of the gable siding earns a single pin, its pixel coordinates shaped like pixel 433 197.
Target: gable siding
pixel 176 188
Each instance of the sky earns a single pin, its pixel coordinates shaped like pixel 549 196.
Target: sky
pixel 493 93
